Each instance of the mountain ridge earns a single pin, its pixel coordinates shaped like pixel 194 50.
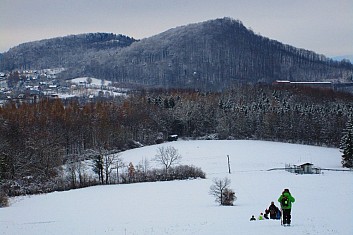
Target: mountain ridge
pixel 210 55
pixel 48 53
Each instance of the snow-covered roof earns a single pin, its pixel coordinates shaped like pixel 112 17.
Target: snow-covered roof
pixel 303 164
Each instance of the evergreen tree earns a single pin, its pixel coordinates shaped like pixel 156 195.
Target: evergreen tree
pixel 98 167
pixel 346 145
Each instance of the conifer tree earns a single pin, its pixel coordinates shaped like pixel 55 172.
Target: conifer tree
pixel 346 145
pixel 98 167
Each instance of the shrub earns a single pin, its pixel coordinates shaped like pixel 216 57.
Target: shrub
pixel 228 197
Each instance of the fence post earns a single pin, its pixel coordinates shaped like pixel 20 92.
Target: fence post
pixel 228 165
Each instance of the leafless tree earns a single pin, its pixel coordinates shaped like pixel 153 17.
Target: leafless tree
pixel 143 165
pixel 104 163
pixel 220 190
pixel 72 174
pixel 167 157
pixel 118 164
pixel 110 161
pixel 76 170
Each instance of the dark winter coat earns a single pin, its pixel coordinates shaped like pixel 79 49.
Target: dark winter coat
pixel 291 200
pixel 273 211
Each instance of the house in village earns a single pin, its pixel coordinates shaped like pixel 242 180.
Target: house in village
pixel 303 168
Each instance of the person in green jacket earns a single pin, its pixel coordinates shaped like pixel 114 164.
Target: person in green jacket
pixel 286 200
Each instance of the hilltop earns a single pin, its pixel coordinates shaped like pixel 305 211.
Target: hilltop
pixel 73 51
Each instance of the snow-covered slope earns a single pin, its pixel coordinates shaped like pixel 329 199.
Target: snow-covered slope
pixel 323 202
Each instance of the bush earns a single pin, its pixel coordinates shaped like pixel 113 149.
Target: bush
pixel 228 197
pixel 186 172
pixel 182 172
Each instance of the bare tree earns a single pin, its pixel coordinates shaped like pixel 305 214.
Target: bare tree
pixel 223 195
pixel 104 163
pixel 71 170
pixel 76 170
pixel 142 169
pixel 109 162
pixel 167 157
pixel 119 164
pixel 143 165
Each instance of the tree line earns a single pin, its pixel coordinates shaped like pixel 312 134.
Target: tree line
pixel 37 139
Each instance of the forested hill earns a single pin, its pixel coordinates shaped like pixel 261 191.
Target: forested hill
pixel 74 51
pixel 210 55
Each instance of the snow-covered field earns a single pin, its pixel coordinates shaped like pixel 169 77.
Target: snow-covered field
pixel 93 81
pixel 323 202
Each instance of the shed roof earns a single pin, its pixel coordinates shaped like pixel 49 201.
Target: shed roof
pixel 304 164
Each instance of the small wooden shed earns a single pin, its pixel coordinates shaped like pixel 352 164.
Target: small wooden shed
pixel 306 168
pixel 303 168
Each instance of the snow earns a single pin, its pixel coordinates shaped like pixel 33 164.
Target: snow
pixel 81 87
pixel 94 81
pixel 323 202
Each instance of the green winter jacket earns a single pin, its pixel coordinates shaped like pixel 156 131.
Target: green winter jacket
pixel 291 200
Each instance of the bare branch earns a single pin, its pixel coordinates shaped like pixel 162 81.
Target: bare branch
pixel 167 157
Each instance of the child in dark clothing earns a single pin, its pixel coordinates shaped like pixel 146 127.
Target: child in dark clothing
pixel 267 211
pixel 273 210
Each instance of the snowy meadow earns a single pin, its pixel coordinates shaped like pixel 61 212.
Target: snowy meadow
pixel 323 201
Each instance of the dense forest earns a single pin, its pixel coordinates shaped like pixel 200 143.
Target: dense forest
pixel 74 51
pixel 208 56
pixel 37 139
pixel 214 55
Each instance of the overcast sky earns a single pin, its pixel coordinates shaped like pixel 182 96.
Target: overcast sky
pixel 323 26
